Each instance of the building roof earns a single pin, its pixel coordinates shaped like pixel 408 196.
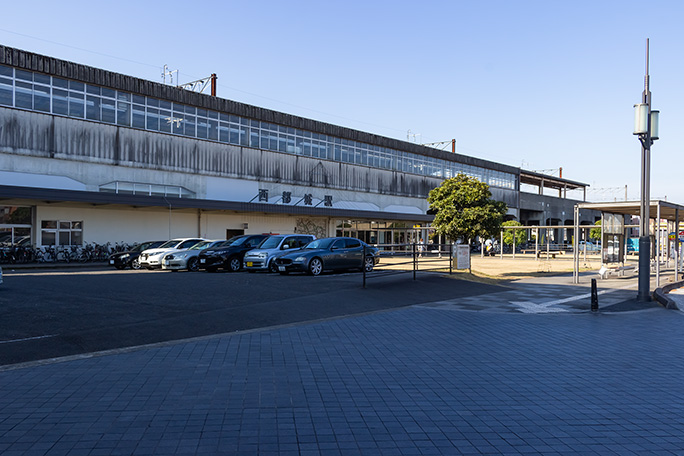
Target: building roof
pixel 547 181
pixel 668 210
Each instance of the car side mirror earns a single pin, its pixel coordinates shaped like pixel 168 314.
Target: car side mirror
pixel 285 247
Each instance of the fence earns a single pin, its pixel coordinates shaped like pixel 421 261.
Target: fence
pixel 411 258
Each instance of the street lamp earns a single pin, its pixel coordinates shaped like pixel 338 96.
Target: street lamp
pixel 646 128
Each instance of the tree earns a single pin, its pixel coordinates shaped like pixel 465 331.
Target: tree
pixel 595 233
pixel 513 235
pixel 464 208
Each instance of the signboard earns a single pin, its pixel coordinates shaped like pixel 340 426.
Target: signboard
pixel 462 256
pixel 681 236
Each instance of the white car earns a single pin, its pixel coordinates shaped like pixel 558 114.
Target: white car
pixel 261 258
pixel 152 258
pixel 187 259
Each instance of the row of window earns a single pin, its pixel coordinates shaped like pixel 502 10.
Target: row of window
pixel 39 92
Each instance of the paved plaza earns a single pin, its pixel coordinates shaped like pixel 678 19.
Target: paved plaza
pixel 528 370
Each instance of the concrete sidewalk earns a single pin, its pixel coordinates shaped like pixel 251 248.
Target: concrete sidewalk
pixel 483 375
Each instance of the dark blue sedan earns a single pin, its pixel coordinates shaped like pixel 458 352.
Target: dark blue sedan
pixel 329 254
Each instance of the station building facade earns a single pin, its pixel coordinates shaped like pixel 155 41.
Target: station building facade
pixel 88 155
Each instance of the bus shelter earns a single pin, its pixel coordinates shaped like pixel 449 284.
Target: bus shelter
pixel 659 212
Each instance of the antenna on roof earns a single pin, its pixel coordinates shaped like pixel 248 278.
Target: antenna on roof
pixel 166 72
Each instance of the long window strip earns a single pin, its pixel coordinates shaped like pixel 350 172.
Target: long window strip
pixel 363 154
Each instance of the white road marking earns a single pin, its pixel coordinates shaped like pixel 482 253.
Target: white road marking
pixel 26 338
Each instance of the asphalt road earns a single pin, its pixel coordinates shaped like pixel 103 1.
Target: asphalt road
pixel 53 313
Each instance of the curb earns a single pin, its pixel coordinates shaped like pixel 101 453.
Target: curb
pixel 660 295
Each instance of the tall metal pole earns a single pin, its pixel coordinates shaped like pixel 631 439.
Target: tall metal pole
pixel 644 238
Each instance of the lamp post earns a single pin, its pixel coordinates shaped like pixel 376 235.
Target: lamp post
pixel 646 128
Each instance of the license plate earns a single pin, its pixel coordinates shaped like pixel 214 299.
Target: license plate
pixel 250 264
pixel 202 260
pixel 281 268
pixel 111 261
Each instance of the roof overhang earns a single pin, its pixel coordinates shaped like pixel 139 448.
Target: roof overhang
pixel 30 196
pixel 546 181
pixel 668 211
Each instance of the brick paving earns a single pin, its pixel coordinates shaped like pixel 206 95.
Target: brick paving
pixel 481 376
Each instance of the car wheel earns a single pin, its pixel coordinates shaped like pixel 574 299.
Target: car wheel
pixel 272 267
pixel 368 263
pixel 315 266
pixel 135 264
pixel 234 264
pixel 193 265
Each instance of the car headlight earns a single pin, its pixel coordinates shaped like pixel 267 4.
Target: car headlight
pixel 181 256
pixel 300 259
pixel 155 254
pixel 261 256
pixel 124 256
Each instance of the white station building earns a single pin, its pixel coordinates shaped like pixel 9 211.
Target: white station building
pixel 87 155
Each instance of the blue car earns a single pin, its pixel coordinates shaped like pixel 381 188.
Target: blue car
pixel 334 253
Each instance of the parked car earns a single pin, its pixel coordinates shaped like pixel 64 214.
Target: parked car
pixel 229 254
pixel 329 254
pixel 187 259
pixel 261 258
pixel 152 258
pixel 129 258
pixel 0 274
pixel 590 246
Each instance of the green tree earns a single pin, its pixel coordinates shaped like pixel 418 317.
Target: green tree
pixel 595 233
pixel 513 235
pixel 464 209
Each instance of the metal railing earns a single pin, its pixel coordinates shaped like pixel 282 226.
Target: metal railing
pixel 411 258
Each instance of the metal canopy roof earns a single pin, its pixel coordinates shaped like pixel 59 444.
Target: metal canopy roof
pixel 668 210
pixel 30 195
pixel 547 181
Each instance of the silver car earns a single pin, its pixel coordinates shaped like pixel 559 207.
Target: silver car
pixel 261 258
pixel 187 259
pixel 152 258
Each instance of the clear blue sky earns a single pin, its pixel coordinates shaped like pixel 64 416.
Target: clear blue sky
pixel 537 84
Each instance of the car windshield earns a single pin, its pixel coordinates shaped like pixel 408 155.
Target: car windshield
pixel 271 242
pixel 201 245
pixel 320 244
pixel 169 244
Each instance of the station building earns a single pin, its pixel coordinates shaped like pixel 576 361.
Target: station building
pixel 88 155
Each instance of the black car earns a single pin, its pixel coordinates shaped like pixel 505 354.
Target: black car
pixel 229 254
pixel 329 254
pixel 129 258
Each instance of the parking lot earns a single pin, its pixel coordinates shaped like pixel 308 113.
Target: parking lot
pixel 60 312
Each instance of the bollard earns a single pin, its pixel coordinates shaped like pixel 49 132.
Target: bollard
pixel 594 296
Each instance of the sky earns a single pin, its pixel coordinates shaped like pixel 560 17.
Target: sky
pixel 540 85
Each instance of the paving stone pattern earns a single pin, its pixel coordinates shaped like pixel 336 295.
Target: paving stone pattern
pixel 416 381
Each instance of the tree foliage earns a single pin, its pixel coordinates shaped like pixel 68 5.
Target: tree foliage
pixel 595 233
pixel 464 208
pixel 513 235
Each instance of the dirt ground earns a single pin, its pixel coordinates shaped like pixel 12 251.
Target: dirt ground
pixel 506 268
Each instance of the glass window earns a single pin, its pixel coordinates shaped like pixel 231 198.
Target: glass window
pixel 24 95
pixel 152 119
pixel 201 127
pixel 123 113
pixel 92 90
pixel 6 71
pixel 138 99
pixel 6 92
pixel 78 86
pixel 138 119
pixel 22 75
pixel 224 132
pixel 92 107
pixel 213 130
pixel 41 98
pixel 108 110
pixel 41 78
pixel 109 93
pixel 76 105
pixel 188 125
pixel 164 120
pixel 152 102
pixel 61 83
pixel 60 102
